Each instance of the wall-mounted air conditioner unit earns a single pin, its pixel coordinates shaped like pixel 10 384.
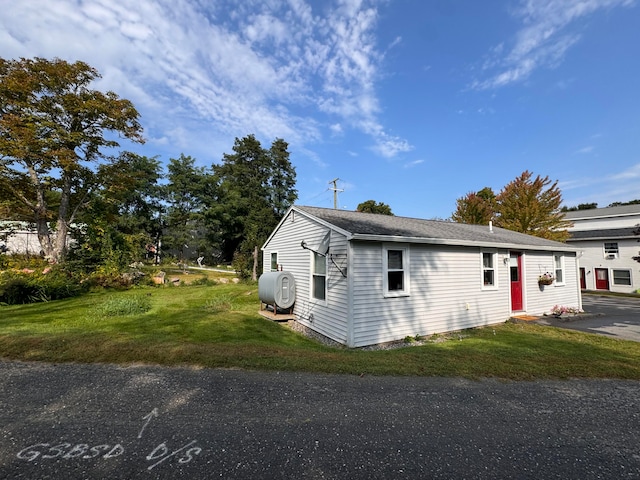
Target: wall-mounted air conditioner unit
pixel 611 256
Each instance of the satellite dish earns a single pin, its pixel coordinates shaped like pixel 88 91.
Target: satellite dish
pixel 323 248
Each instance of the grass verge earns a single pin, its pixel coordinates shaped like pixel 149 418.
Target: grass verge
pixel 218 326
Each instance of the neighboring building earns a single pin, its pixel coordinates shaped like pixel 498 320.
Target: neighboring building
pixel 363 279
pixel 18 238
pixel 608 241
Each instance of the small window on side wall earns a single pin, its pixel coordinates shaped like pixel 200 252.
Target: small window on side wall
pixel 489 279
pixel 274 261
pixel 558 263
pixel 319 277
pixel 395 262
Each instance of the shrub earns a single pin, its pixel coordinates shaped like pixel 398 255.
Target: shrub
pixel 119 279
pixel 42 285
pixel 243 265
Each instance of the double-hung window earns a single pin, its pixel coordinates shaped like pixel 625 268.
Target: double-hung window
pixel 558 265
pixel 489 279
pixel 395 262
pixel 319 276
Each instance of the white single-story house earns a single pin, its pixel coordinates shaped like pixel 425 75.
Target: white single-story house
pixel 363 279
pixel 608 240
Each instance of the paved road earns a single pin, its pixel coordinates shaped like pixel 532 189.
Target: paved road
pixel 108 422
pixel 617 317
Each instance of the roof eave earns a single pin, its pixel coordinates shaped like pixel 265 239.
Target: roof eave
pixel 604 238
pixel 299 211
pixel 461 243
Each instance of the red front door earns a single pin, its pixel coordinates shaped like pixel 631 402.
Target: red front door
pixel 515 269
pixel 602 279
pixel 583 278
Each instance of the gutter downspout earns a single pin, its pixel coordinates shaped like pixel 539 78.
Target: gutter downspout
pixel 350 309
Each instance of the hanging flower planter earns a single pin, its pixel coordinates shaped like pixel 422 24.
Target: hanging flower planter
pixel 546 279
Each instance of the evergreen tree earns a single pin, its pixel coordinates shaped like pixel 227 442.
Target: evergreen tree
pixel 253 189
pixel 184 221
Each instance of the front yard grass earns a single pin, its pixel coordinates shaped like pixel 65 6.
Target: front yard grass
pixel 219 327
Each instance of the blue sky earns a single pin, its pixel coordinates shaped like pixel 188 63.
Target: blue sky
pixel 408 102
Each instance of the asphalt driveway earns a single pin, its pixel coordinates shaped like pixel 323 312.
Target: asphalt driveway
pixel 111 422
pixel 617 317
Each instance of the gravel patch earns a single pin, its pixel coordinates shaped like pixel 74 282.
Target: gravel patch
pixel 438 338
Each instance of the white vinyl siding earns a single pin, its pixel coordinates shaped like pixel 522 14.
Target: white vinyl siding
pixel 329 317
pixel 444 294
pixel 538 301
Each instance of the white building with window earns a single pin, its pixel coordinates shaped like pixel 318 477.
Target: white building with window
pixel 609 243
pixel 19 238
pixel 364 279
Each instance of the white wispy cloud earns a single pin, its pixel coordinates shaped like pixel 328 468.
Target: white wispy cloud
pixel 585 150
pixel 547 33
pixel 413 164
pixel 277 69
pixel 619 186
pixel 631 173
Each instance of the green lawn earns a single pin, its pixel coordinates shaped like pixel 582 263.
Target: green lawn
pixel 218 326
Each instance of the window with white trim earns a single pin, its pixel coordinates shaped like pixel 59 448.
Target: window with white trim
pixel 395 263
pixel 622 277
pixel 318 276
pixel 489 278
pixel 558 265
pixel 274 261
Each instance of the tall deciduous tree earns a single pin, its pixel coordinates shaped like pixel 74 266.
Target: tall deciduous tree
pixel 52 129
pixel 123 215
pixel 476 208
pixel 253 187
pixel 371 206
pixel 532 205
pixel 527 205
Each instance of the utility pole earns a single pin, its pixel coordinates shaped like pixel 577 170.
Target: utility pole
pixel 335 192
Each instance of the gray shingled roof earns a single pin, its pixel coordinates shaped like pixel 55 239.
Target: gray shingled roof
pixel 603 212
pixel 437 231
pixel 603 234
